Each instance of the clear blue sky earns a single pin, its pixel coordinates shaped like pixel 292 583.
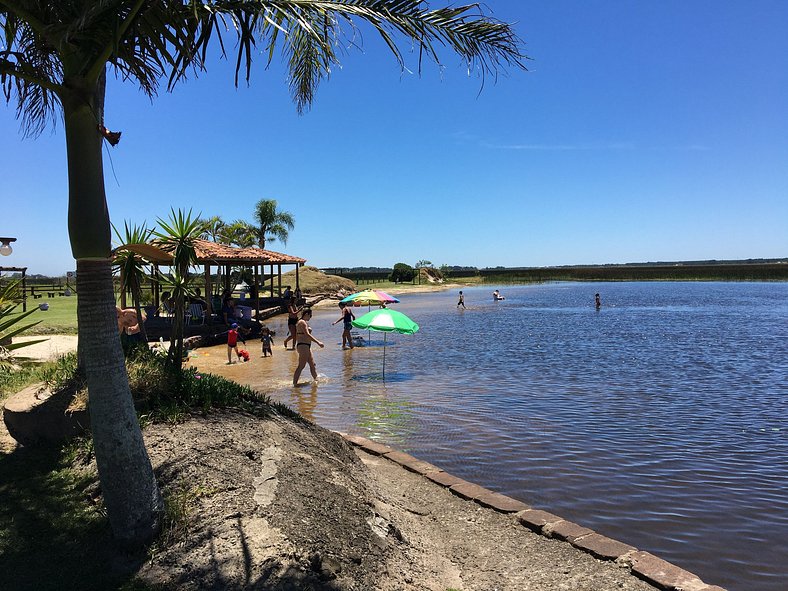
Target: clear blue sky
pixel 642 131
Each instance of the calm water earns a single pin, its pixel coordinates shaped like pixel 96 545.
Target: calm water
pixel 659 420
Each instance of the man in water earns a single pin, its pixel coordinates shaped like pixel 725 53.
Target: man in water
pixel 597 301
pixel 461 302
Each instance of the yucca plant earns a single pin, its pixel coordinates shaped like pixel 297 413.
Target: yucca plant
pixel 132 266
pixel 11 323
pixel 176 235
pixel 53 61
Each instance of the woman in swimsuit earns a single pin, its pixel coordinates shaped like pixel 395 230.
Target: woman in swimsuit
pixel 292 320
pixel 303 344
pixel 347 318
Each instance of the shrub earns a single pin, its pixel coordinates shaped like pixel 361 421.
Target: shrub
pixel 402 272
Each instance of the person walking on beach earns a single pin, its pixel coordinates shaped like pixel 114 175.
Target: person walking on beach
pixel 347 317
pixel 292 320
pixel 267 340
pixel 461 301
pixel 597 301
pixel 304 340
pixel 232 343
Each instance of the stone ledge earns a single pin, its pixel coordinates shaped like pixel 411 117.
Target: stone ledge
pixel 536 519
pixel 501 503
pixel 444 478
pixel 648 567
pixel 566 530
pixel 469 491
pixel 603 547
pixel 376 449
pixel 663 574
pixel 408 462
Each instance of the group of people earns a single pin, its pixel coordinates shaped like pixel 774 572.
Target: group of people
pixel 461 302
pixel 498 297
pixel 300 334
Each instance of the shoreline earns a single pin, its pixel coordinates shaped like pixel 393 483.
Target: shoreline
pixel 642 565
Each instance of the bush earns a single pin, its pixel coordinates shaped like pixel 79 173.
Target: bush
pixel 402 272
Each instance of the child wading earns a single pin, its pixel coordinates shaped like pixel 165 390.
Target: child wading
pixel 232 343
pixel 267 339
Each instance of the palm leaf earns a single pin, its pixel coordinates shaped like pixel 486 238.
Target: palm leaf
pixel 150 40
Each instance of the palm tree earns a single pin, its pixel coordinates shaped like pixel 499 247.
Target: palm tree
pixel 212 228
pixel 53 59
pixel 240 233
pixel 272 224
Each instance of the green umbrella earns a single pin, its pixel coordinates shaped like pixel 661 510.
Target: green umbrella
pixel 385 321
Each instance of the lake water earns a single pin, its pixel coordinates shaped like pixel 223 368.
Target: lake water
pixel 659 420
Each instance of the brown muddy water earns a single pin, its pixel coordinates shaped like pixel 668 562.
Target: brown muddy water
pixel 659 420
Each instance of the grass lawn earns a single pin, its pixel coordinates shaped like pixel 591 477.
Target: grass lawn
pixel 400 287
pixel 61 318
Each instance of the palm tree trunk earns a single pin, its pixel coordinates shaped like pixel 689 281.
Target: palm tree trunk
pixel 129 487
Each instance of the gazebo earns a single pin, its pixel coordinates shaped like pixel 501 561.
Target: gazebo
pixel 211 254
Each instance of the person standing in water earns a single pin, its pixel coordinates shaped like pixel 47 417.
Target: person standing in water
pixel 347 317
pixel 597 301
pixel 304 340
pixel 292 320
pixel 461 301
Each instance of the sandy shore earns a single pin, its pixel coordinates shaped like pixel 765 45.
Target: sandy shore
pixel 52 347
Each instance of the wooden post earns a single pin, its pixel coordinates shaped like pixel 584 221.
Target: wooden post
pixel 272 280
pixel 208 298
pixel 279 270
pixel 122 289
pixel 297 266
pixel 24 291
pixel 257 291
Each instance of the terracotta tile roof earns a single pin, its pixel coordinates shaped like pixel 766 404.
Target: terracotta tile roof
pixel 211 252
pixel 214 253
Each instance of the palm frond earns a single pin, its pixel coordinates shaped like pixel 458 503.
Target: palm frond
pixel 148 41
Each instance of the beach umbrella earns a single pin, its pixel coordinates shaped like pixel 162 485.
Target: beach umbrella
pixel 369 297
pixel 386 321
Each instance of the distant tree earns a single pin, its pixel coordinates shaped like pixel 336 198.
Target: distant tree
pixel 402 272
pixel 240 233
pixel 272 224
pixel 212 228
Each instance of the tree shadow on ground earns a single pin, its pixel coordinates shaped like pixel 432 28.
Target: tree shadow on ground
pixel 53 532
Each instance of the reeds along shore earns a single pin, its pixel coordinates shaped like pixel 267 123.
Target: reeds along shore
pixel 729 272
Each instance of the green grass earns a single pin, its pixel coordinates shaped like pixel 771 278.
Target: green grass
pixel 400 287
pixel 54 533
pixel 61 318
pixel 12 381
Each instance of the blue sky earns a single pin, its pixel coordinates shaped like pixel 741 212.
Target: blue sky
pixel 642 131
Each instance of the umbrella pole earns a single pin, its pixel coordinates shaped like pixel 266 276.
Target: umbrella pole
pixel 384 356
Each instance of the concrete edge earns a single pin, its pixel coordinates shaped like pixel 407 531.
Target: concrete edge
pixel 646 566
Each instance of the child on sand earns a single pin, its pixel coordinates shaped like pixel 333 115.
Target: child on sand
pixel 232 343
pixel 267 339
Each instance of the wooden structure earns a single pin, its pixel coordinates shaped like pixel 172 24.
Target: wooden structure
pixel 225 257
pixel 22 270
